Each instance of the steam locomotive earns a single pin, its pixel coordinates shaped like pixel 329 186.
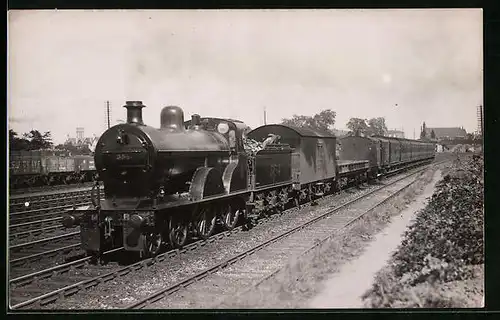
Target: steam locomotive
pixel 163 186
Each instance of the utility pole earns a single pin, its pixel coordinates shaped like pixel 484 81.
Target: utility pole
pixel 413 133
pixel 265 120
pixel 107 114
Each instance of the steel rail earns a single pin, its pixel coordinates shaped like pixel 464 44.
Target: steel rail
pixel 25 245
pixel 349 223
pixel 29 213
pixel 46 273
pixel 158 295
pixel 36 256
pixel 73 288
pixel 35 232
pixel 16 210
pixel 45 199
pixel 47 190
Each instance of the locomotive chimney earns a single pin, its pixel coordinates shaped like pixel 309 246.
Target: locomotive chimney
pixel 134 111
pixel 172 117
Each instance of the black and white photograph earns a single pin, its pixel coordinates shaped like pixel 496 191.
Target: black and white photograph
pixel 314 159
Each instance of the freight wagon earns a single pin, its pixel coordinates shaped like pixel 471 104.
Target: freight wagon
pixel 48 167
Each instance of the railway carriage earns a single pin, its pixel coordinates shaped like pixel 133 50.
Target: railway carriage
pixel 362 148
pixel 395 151
pixel 384 153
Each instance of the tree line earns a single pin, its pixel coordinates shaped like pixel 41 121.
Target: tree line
pixel 325 121
pixel 35 140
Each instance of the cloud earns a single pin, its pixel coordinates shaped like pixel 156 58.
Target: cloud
pixel 26 119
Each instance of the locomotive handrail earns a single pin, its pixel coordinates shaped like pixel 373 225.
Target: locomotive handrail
pixel 92 195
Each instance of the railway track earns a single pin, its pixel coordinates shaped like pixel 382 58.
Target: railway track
pixel 34 229
pixel 27 204
pixel 41 214
pixel 36 235
pixel 44 287
pixel 23 192
pixel 27 252
pixel 266 258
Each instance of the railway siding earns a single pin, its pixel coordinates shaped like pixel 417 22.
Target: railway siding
pixel 108 282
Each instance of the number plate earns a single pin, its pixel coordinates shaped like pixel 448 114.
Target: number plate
pixel 126 217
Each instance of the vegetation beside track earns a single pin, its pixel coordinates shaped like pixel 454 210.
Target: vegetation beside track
pixel 440 261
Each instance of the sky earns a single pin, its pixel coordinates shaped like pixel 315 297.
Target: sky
pixel 408 66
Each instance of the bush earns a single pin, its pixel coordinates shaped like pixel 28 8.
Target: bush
pixel 443 242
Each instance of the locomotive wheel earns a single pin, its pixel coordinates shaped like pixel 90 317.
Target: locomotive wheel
pixel 205 225
pixel 284 199
pixel 178 233
pixel 230 215
pixel 153 243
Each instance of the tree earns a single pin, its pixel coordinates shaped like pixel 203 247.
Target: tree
pixel 377 126
pixel 76 149
pixel 357 126
pixel 323 121
pixel 38 140
pixel 16 143
pixel 433 135
pixel 470 137
pixel 423 133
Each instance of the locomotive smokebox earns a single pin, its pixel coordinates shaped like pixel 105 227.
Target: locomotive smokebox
pixel 172 118
pixel 134 111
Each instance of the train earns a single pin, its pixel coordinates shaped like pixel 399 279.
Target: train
pixel 163 186
pixel 36 168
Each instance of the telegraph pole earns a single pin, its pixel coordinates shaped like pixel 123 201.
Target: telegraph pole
pixel 107 114
pixel 265 120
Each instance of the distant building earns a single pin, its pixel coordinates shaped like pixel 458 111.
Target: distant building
pixel 446 133
pixel 395 134
pixel 80 133
pixel 80 139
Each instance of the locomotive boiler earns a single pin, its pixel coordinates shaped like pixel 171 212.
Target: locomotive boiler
pixel 136 160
